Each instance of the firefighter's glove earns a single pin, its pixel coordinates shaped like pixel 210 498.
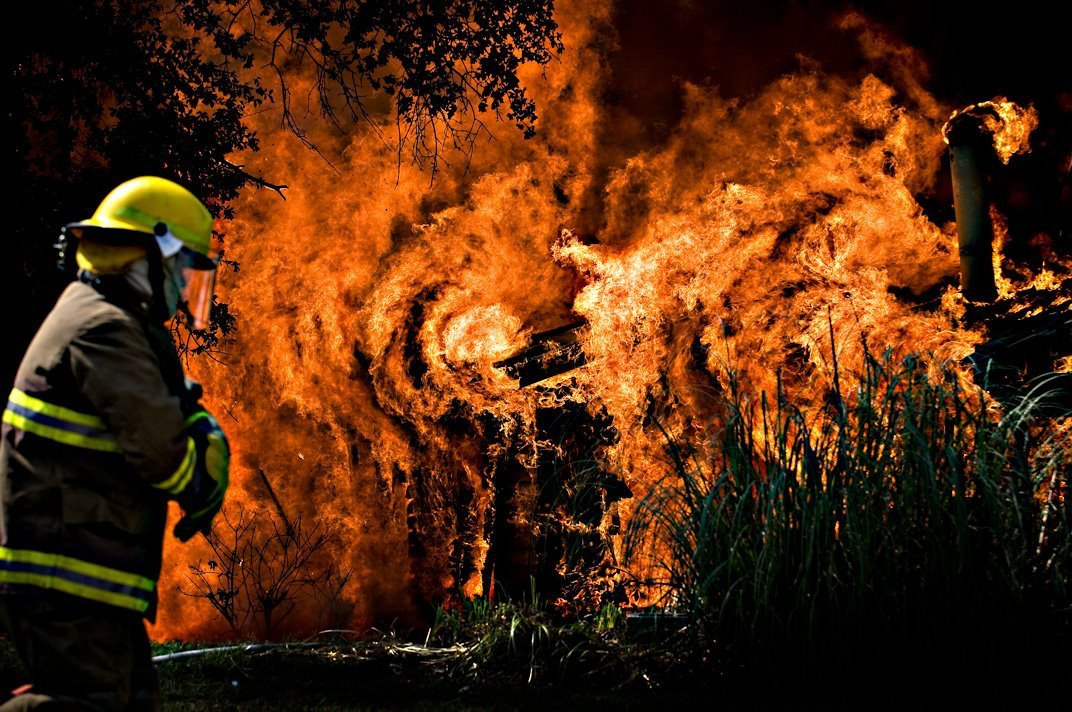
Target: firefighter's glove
pixel 203 498
pixel 190 399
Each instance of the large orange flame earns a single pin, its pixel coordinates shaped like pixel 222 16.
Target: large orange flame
pixel 372 304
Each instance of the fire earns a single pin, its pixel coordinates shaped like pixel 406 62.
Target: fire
pixel 767 234
pixel 481 336
pixel 1010 125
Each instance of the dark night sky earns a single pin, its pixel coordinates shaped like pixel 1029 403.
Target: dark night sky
pixel 741 46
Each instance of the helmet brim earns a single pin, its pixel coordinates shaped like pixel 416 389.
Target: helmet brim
pixel 116 232
pixel 86 230
pixel 107 222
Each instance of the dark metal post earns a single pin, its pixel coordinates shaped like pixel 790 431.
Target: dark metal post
pixel 968 148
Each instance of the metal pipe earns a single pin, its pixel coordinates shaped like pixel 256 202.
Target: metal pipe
pixel 247 648
pixel 969 145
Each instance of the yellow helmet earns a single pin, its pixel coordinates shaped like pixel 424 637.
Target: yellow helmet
pixel 138 213
pixel 155 206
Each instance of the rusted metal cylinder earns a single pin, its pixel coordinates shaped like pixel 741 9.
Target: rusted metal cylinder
pixel 968 148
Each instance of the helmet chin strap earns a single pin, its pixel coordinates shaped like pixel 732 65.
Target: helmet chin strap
pixel 158 307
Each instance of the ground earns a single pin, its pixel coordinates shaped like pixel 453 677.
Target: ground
pixel 397 676
pixel 361 677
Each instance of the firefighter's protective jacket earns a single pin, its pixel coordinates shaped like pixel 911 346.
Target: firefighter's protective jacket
pixel 93 446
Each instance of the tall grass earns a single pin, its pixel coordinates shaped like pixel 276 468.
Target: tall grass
pixel 907 521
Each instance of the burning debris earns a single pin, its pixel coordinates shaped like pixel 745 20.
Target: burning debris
pixel 1029 329
pixel 992 128
pixel 550 354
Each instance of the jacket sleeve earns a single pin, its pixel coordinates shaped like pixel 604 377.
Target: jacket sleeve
pixel 118 373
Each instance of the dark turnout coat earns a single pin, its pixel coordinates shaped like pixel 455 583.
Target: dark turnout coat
pixel 93 446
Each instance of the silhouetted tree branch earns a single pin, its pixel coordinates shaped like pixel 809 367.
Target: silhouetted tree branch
pixel 442 62
pixel 105 90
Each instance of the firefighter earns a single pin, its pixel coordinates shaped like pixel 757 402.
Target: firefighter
pixel 100 431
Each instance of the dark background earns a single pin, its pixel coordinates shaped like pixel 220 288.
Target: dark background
pixel 973 54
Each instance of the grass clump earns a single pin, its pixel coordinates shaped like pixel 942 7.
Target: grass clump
pixel 908 525
pixel 531 643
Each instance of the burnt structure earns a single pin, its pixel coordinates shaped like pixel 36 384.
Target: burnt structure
pixel 549 533
pixel 1028 334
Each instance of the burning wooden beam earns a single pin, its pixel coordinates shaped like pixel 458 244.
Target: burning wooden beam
pixel 551 353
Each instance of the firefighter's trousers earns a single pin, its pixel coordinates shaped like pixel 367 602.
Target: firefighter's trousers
pixel 79 655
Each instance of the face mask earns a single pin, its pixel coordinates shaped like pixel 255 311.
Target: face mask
pixel 174 283
pixel 189 281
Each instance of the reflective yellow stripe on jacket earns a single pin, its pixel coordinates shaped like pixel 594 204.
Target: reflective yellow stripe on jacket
pixel 183 474
pixel 57 423
pixel 76 577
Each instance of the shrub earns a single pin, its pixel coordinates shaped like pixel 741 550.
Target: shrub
pixel 262 569
pixel 914 522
